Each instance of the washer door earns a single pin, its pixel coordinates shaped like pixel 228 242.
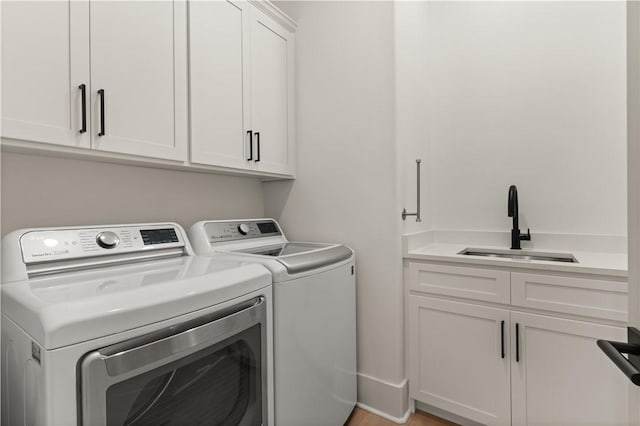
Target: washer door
pixel 219 379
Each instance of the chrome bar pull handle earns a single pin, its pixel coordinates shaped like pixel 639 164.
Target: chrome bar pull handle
pixel 417 214
pixel 120 358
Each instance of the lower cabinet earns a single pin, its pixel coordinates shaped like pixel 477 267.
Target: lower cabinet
pixel 501 367
pixel 459 358
pixel 562 377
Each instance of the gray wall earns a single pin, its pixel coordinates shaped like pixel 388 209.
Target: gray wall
pixel 49 191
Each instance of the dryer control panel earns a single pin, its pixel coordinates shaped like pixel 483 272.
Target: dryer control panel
pixel 66 244
pixel 218 232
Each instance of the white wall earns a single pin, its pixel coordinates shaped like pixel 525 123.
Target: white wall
pixel 532 94
pixel 488 94
pixel 412 85
pixel 346 181
pixel 50 191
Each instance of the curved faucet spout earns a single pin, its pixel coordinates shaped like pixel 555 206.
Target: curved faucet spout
pixel 512 211
pixel 512 207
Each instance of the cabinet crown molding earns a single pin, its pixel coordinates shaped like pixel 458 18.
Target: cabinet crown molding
pixel 274 12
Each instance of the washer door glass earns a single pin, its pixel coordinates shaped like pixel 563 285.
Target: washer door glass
pixel 219 385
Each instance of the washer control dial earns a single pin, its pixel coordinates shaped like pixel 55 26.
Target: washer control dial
pixel 107 239
pixel 243 229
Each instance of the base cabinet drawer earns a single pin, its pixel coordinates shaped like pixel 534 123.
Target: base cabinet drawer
pixel 588 297
pixel 459 358
pixel 470 283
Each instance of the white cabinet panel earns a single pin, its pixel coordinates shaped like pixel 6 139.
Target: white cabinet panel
pixel 579 296
pixel 45 58
pixel 139 59
pixel 456 358
pixel 562 377
pixel 219 83
pixel 471 283
pixel 271 93
pixel 132 59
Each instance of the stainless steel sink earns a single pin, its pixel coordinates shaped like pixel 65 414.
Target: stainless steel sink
pixel 520 255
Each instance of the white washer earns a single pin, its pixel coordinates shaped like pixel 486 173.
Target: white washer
pixel 314 316
pixel 114 325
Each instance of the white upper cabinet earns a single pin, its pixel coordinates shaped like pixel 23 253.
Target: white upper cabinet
pixel 139 78
pixel 241 86
pixel 207 84
pixel 219 72
pixel 45 59
pixel 271 93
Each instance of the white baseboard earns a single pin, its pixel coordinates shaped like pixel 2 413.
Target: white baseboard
pixel 385 399
pixel 399 420
pixel 438 412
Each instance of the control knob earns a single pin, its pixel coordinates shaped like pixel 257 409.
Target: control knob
pixel 243 229
pixel 107 239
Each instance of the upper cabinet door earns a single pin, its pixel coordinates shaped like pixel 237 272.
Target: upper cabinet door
pixel 272 50
pixel 45 59
pixel 219 71
pixel 139 75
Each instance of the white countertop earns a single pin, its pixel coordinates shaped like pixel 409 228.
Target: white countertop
pixel 444 246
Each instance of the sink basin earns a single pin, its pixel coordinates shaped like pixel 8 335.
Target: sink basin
pixel 520 255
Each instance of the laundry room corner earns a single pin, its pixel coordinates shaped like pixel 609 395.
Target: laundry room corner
pixel 345 187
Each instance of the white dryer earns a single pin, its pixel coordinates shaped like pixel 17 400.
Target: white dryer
pixel 123 325
pixel 314 316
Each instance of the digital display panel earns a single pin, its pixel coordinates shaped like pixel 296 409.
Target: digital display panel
pixel 159 236
pixel 267 227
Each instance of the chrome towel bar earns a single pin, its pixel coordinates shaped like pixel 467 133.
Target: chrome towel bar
pixel 417 214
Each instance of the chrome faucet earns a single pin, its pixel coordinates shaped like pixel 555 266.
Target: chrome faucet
pixel 512 211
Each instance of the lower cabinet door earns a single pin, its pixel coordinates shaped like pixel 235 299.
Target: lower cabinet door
pixel 561 377
pixel 459 358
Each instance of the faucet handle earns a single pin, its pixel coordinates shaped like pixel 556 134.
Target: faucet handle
pixel 527 236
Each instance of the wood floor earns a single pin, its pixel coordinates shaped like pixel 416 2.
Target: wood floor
pixel 360 417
